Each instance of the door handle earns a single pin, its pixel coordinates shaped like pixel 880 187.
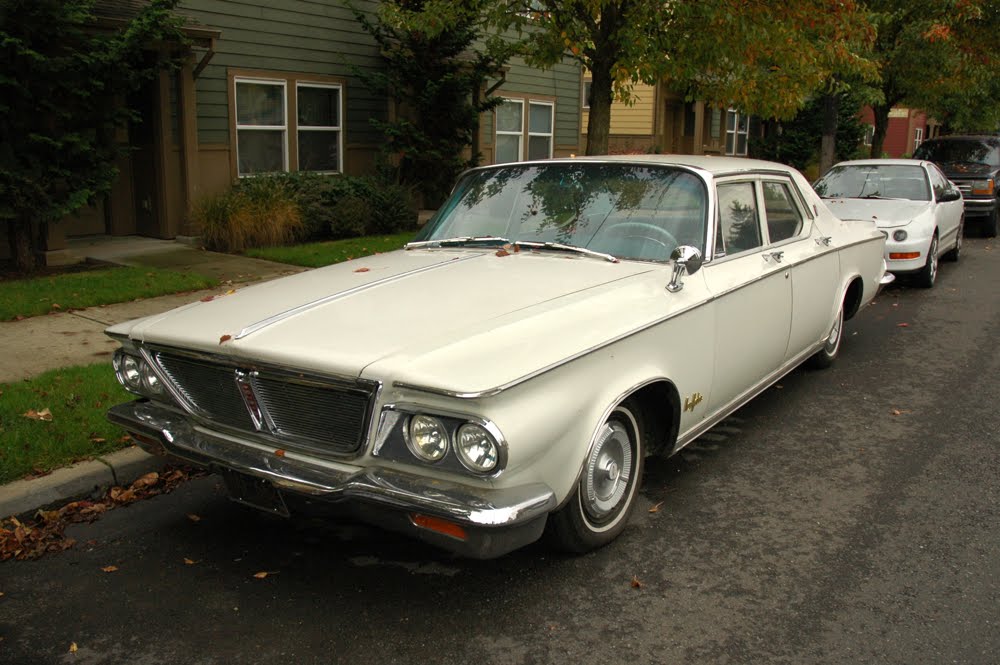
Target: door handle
pixel 824 240
pixel 773 256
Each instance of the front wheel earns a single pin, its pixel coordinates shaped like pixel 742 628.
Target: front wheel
pixel 928 274
pixel 605 494
pixel 831 347
pixel 992 224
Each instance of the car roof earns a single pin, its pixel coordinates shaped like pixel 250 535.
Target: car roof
pixel 883 162
pixel 710 163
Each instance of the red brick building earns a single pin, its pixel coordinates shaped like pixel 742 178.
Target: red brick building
pixel 908 128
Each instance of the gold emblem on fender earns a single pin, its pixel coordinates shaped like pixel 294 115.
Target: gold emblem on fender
pixel 692 401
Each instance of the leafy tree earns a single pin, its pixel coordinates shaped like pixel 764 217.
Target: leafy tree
pixel 62 85
pixel 438 56
pixel 938 55
pixel 797 142
pixel 764 58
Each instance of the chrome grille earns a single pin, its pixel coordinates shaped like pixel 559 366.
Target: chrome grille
pixel 326 417
pixel 964 187
pixel 210 389
pixel 328 414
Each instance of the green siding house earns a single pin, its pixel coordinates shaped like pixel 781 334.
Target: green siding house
pixel 272 87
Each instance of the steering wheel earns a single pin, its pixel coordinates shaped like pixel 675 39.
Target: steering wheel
pixel 646 231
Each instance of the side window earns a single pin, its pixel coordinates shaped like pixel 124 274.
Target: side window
pixel 738 228
pixel 938 183
pixel 784 220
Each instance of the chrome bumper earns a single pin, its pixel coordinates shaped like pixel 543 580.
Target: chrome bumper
pixel 487 514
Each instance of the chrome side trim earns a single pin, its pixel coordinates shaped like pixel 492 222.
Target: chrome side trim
pixel 288 313
pixel 167 431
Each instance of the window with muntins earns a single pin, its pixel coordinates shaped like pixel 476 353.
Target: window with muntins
pixel 737 129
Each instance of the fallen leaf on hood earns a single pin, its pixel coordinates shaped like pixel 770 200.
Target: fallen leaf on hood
pixel 279 452
pixel 656 508
pixel 44 414
pixel 262 574
pixel 208 299
pixel 193 517
pixel 636 584
pixel 502 252
pixel 224 339
pixel 72 647
pixel 362 270
pixel 109 569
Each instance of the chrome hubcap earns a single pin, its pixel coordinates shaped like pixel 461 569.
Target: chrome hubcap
pixel 609 471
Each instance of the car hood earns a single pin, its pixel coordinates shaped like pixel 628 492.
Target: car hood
pixel 461 320
pixel 966 169
pixel 886 213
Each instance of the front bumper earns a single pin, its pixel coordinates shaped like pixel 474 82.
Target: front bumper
pixel 978 207
pixel 910 245
pixel 494 521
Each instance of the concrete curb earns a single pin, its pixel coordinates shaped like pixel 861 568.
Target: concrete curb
pixel 81 479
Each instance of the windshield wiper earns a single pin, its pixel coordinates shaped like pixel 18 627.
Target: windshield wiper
pixel 558 246
pixel 879 196
pixel 457 242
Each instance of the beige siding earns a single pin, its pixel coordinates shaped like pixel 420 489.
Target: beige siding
pixel 634 120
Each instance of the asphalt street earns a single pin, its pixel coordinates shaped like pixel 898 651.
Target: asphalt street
pixel 847 515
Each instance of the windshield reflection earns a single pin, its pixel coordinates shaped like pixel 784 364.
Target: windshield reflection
pixel 630 211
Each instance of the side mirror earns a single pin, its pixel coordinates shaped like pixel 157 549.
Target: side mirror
pixel 687 259
pixel 950 195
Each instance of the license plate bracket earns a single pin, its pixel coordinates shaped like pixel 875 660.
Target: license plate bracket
pixel 255 492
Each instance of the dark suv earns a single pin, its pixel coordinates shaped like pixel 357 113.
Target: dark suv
pixel 972 163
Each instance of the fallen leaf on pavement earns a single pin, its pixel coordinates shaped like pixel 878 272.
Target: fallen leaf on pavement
pixel 656 508
pixel 898 412
pixel 224 339
pixel 109 569
pixel 902 325
pixel 208 299
pixel 147 480
pixel 262 574
pixel 193 517
pixel 189 562
pixel 44 414
pixel 72 647
pixel 636 584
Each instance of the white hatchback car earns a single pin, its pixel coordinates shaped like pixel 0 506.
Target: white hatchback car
pixel 508 372
pixel 920 210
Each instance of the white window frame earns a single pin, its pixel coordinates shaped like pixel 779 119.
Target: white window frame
pixel 869 134
pixel 584 97
pixel 551 134
pixel 283 84
pixel 918 137
pixel 737 133
pixel 519 134
pixel 339 128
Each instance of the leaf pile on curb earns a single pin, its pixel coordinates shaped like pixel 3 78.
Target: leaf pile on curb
pixel 45 532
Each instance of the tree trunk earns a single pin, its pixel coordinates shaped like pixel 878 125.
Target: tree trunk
pixel 881 113
pixel 828 145
pixel 599 123
pixel 22 251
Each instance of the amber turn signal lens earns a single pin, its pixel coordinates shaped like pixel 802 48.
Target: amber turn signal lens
pixel 983 187
pixel 896 256
pixel 438 525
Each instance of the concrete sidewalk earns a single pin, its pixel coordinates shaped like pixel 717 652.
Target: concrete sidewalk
pixel 42 343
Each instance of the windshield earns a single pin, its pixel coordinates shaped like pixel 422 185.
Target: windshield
pixel 871 181
pixel 958 151
pixel 629 211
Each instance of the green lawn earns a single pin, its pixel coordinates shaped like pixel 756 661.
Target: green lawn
pixel 76 290
pixel 77 398
pixel 317 254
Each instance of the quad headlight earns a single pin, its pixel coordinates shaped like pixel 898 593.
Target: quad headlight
pixel 427 438
pixel 136 375
pixel 476 448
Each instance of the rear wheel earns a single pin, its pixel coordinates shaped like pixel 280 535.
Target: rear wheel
pixel 605 493
pixel 831 347
pixel 928 274
pixel 956 252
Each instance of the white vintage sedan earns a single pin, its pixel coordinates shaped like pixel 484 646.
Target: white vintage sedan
pixel 507 373
pixel 920 210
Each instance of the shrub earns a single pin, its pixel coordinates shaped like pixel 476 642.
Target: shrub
pixel 350 217
pixel 256 212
